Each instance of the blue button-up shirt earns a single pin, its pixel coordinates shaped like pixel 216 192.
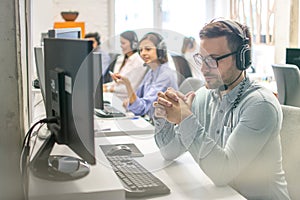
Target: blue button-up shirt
pixel 235 144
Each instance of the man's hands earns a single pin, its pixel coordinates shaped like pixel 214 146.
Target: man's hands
pixel 173 105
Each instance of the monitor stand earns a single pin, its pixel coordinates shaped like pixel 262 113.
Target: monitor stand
pixel 57 167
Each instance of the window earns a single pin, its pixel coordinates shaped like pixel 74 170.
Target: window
pixel 176 15
pixel 179 18
pixel 133 14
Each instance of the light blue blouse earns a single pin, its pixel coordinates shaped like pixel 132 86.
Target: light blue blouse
pixel 153 82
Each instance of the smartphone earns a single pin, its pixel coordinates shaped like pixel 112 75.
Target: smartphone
pixel 113 76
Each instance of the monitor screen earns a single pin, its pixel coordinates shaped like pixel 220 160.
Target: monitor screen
pixel 69 97
pixel 293 56
pixel 71 33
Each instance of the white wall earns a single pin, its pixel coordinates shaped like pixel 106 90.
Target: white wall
pixel 93 12
pixel 282 32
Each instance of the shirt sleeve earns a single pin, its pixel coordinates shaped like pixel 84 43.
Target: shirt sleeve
pixel 147 94
pixel 245 142
pixel 168 137
pixel 221 164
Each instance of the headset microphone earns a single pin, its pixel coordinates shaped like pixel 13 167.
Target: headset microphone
pixel 225 87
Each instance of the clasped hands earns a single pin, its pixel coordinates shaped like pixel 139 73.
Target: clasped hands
pixel 173 105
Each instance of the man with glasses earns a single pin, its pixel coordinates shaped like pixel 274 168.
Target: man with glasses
pixel 231 126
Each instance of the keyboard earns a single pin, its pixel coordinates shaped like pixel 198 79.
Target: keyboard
pixel 138 181
pixel 109 112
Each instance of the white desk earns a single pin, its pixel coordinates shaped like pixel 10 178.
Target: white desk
pixel 183 176
pixel 130 125
pixel 100 183
pixel 122 126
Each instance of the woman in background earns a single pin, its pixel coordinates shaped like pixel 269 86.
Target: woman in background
pixel 160 76
pixel 105 58
pixel 129 64
pixel 188 50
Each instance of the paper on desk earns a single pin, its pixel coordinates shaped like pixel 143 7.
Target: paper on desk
pixel 135 125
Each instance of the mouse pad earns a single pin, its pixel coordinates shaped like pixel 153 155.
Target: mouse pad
pixel 135 152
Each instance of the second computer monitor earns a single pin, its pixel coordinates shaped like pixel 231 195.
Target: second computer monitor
pixel 293 56
pixel 70 33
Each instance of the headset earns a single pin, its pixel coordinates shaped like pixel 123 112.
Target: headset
pixel 98 38
pixel 134 43
pixel 161 48
pixel 191 42
pixel 243 55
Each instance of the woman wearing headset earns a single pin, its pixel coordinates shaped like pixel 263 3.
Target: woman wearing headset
pixel 153 51
pixel 129 64
pixel 188 49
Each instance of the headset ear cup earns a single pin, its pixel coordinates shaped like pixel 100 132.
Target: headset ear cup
pixel 134 45
pixel 161 50
pixel 243 57
pixel 134 42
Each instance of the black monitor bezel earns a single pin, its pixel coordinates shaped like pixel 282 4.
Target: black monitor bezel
pixel 68 64
pixel 291 54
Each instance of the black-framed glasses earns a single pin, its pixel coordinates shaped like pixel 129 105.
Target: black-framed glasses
pixel 210 61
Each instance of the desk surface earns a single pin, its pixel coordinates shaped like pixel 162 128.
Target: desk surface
pixel 100 183
pixel 122 126
pixel 183 176
pixel 130 125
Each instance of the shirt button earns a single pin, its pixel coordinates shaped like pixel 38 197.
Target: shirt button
pixel 221 111
pixel 218 131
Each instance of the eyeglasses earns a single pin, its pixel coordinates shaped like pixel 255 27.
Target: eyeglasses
pixel 210 61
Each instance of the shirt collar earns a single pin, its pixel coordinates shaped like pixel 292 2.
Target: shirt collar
pixel 231 96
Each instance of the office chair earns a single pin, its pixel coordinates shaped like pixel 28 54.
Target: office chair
pixel 190 84
pixel 287 78
pixel 182 68
pixel 290 139
pixel 113 57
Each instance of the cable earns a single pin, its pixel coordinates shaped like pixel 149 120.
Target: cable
pixel 25 158
pixel 34 143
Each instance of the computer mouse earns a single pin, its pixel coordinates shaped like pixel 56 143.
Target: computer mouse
pixel 119 150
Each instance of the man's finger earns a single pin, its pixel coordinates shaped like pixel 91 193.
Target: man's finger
pixel 172 95
pixel 164 102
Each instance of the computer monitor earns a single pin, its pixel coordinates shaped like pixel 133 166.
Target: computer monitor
pixel 71 33
pixel 293 56
pixel 98 86
pixel 39 62
pixel 69 97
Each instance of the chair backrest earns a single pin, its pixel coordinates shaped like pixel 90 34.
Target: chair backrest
pixel 287 78
pixel 182 68
pixel 190 84
pixel 290 139
pixel 113 57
